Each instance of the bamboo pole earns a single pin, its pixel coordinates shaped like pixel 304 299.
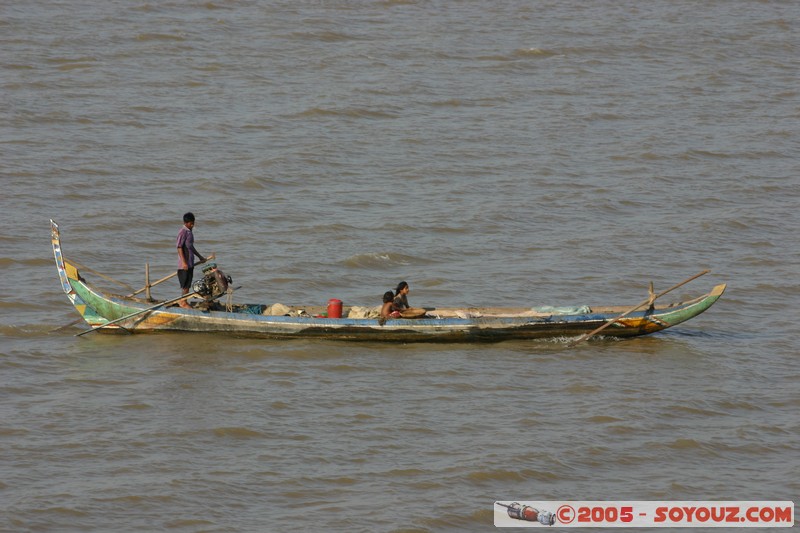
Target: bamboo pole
pixel 650 299
pixel 147 285
pixel 165 278
pixel 162 280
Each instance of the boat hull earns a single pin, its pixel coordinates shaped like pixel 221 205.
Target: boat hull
pixel 101 309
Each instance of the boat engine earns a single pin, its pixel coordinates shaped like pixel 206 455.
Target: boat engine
pixel 214 283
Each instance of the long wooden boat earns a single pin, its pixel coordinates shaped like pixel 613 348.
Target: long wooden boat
pixel 106 311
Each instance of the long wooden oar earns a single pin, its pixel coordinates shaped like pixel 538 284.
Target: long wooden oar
pixel 650 299
pixel 126 317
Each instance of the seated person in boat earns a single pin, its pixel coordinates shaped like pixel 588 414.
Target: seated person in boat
pixel 389 310
pixel 401 296
pixel 401 302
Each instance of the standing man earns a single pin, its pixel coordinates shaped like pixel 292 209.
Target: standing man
pixel 186 253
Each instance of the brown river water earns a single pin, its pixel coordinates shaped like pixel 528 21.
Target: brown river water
pixel 489 153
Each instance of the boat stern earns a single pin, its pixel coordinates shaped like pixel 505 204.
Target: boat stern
pixel 661 319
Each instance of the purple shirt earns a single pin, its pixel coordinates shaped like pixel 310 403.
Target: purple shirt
pixel 186 241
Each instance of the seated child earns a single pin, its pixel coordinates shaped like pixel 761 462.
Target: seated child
pixel 389 310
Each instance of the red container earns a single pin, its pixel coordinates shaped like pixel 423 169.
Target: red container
pixel 334 308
